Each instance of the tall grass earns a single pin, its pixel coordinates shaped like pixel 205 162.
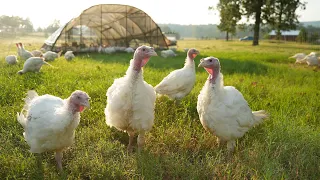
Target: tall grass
pixel 287 146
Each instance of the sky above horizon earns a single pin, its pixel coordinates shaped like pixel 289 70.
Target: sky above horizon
pixel 161 11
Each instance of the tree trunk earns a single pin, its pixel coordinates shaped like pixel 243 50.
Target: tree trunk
pixel 257 24
pixel 227 36
pixel 279 22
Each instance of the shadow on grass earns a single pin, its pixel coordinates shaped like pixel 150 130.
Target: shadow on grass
pixel 229 66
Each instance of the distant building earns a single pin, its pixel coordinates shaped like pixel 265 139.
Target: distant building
pixel 285 35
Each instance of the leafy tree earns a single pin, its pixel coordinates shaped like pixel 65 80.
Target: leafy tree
pixel 15 23
pixel 53 26
pixel 254 9
pixel 165 28
pixel 280 14
pixel 314 37
pixel 229 16
pixel 303 35
pixel 39 29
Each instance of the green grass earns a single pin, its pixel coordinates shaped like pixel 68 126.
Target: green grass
pixel 287 146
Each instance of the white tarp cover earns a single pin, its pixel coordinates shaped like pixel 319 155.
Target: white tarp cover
pixel 109 25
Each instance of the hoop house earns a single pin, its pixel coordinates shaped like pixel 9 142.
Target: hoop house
pixel 107 25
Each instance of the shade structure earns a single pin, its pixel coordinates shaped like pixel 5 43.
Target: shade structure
pixel 107 25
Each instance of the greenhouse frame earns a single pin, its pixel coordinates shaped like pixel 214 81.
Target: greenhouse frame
pixel 107 25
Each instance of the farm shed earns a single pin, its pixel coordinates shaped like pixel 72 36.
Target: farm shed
pixel 285 35
pixel 107 25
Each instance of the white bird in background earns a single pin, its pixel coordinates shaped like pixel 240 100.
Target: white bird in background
pixel 131 100
pixel 222 110
pixel 299 57
pixel 24 54
pixel 33 64
pixel 36 53
pixel 18 49
pixel 312 59
pixel 168 53
pixel 51 56
pixel 11 59
pixel 129 50
pixel 69 55
pixel 49 122
pixel 180 82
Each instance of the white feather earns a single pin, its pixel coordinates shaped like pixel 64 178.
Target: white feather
pixel 224 112
pixel 130 103
pixel 33 64
pixel 49 125
pixel 312 59
pixel 11 59
pixel 178 83
pixel 69 55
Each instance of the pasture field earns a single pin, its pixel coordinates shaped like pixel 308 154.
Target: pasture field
pixel 286 146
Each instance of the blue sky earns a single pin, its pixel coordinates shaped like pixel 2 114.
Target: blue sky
pixel 42 13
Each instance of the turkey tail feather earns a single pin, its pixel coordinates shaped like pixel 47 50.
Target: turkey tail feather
pixel 21 119
pixel 259 116
pixel 31 94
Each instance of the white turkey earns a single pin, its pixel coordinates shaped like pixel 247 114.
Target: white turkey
pixel 51 56
pixel 222 110
pixel 168 53
pixel 69 55
pixel 11 59
pixel 180 82
pixel 24 54
pixel 312 59
pixel 36 53
pixel 110 50
pixel 299 57
pixel 130 102
pixel 129 50
pixel 49 122
pixel 18 49
pixel 33 64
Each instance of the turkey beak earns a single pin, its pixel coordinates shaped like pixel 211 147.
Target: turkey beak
pixel 152 52
pixel 194 55
pixel 86 104
pixel 201 63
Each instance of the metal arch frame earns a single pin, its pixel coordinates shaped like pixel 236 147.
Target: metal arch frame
pixel 143 32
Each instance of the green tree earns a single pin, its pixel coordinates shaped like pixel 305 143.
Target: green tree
pixel 53 26
pixel 229 16
pixel 39 29
pixel 15 24
pixel 254 9
pixel 303 35
pixel 314 37
pixel 281 14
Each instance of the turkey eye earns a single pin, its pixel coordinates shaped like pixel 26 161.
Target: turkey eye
pixel 143 49
pixel 78 97
pixel 210 60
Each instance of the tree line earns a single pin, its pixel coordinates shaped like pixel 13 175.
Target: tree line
pixel 278 14
pixel 16 24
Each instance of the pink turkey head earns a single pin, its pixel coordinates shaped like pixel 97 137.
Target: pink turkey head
pixel 142 55
pixel 79 100
pixel 192 53
pixel 212 66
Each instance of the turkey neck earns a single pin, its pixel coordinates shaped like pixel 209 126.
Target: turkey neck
pixel 135 71
pixel 216 80
pixel 74 108
pixel 189 62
